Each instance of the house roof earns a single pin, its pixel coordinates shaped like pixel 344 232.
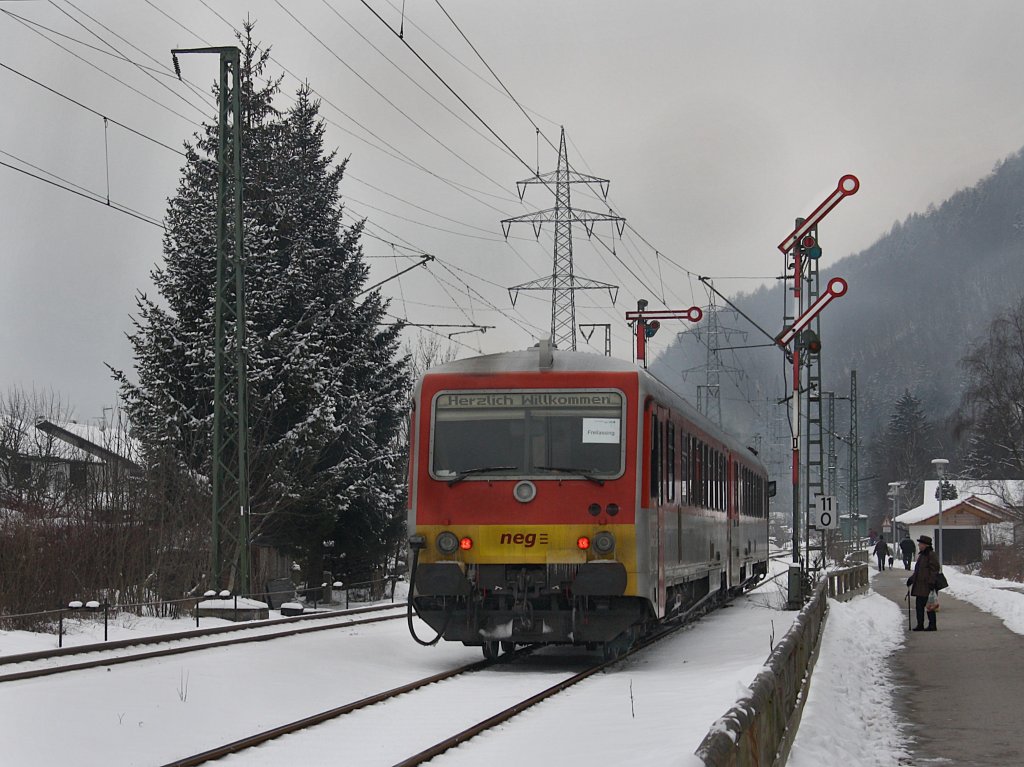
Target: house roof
pixel 107 445
pixel 983 508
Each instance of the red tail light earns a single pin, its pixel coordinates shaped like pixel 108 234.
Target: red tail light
pixel 583 542
pixel 466 544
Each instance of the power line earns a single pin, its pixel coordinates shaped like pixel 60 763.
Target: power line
pixel 394 152
pixel 461 63
pixel 89 196
pixel 73 39
pixel 31 27
pixel 450 89
pixel 495 75
pixel 128 59
pixel 128 128
pixel 409 77
pixel 392 104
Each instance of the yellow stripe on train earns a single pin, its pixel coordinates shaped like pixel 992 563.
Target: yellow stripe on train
pixel 531 545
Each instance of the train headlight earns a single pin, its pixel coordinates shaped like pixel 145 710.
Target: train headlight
pixel 594 509
pixel 604 542
pixel 612 509
pixel 447 542
pixel 466 543
pixel 524 491
pixel 583 543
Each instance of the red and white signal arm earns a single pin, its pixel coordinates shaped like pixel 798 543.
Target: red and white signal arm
pixel 825 515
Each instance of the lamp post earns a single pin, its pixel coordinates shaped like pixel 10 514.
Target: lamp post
pixel 940 465
pixel 894 493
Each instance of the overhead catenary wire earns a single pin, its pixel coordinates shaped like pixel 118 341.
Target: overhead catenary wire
pixel 87 108
pixel 391 150
pixel 391 103
pixel 145 70
pixel 409 77
pixel 28 25
pixel 87 195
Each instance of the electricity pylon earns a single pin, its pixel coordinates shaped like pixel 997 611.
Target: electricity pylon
pixel 229 537
pixel 563 282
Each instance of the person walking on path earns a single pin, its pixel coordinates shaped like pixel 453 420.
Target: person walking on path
pixel 881 551
pixel 907 550
pixel 922 581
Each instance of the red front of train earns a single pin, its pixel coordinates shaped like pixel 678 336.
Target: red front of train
pixel 531 513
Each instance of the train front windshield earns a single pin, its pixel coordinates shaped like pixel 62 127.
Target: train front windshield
pixel 528 433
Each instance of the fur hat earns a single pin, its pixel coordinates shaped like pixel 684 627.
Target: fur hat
pixel 925 540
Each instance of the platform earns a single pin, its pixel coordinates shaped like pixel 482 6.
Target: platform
pixel 959 687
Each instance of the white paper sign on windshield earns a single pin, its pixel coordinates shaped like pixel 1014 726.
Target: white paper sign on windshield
pixel 601 430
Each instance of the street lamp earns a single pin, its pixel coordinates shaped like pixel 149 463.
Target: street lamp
pixel 940 465
pixel 894 493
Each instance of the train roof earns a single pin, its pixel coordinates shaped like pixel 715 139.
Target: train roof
pixel 543 357
pixel 527 360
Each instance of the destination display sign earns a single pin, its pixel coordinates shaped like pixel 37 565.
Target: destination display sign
pixel 524 399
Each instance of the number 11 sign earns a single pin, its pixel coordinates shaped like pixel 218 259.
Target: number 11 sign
pixel 826 515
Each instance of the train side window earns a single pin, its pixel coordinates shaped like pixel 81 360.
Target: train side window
pixel 728 495
pixel 705 484
pixel 654 462
pixel 716 481
pixel 670 460
pixel 694 469
pixel 720 485
pixel 684 466
pixel 698 473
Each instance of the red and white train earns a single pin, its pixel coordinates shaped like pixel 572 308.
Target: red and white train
pixel 566 497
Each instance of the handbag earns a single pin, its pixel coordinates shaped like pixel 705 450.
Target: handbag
pixel 933 602
pixel 940 582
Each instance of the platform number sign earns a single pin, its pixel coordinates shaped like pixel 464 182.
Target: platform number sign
pixel 826 513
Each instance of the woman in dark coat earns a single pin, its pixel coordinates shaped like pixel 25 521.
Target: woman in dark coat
pixel 923 581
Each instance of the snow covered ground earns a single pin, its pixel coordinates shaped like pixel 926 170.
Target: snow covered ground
pixel 653 709
pixel 849 717
pixel 859 635
pixel 1003 599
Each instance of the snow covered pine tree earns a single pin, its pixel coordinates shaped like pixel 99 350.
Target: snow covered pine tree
pixel 327 388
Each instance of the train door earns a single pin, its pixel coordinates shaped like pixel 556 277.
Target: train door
pixel 732 515
pixel 663 453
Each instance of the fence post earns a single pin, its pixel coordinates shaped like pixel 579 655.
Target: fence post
pixel 106 608
pixel 60 629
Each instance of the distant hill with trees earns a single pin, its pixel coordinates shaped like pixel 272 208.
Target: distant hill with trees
pixel 921 299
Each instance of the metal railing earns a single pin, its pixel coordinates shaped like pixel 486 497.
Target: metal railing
pixel 53 621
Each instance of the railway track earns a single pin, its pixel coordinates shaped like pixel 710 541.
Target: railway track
pixel 454 740
pixel 253 632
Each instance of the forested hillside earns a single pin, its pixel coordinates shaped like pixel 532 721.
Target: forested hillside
pixel 920 299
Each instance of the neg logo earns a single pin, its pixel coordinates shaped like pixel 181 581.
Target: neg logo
pixel 524 539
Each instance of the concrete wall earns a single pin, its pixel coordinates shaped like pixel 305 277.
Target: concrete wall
pixel 760 728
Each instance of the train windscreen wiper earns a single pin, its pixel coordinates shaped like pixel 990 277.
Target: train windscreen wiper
pixel 585 473
pixel 479 470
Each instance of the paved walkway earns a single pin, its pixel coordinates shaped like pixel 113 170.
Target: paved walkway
pixel 960 687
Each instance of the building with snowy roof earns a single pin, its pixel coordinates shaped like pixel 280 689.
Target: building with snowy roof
pixel 47 461
pixel 984 513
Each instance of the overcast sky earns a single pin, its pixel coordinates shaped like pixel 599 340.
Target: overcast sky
pixel 716 122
